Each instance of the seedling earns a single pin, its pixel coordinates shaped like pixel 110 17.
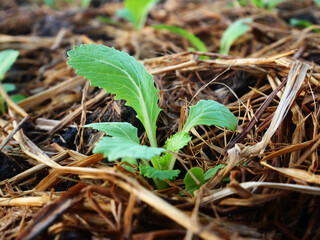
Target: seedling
pixel 267 4
pixel 232 33
pixel 136 11
pixel 195 177
pixel 194 40
pixel 7 59
pixel 53 3
pixel 121 74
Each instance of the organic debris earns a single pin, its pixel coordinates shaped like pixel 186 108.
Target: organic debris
pixel 261 181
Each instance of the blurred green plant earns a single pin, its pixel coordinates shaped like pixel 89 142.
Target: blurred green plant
pixel 267 4
pixel 56 4
pixel 195 177
pixel 136 11
pixel 7 59
pixel 232 33
pixel 194 40
pixel 317 2
pixel 295 22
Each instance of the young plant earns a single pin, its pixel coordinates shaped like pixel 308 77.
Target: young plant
pixel 195 177
pixel 136 11
pixel 194 40
pixel 232 33
pixel 267 4
pixel 53 3
pixel 121 74
pixel 7 59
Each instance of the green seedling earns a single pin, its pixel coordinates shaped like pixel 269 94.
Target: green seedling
pixel 295 22
pixel 7 59
pixel 52 3
pixel 193 180
pixel 195 177
pixel 232 33
pixel 120 74
pixel 136 11
pixel 201 177
pixel 194 40
pixel 266 4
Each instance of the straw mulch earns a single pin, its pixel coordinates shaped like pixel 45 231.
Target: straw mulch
pixel 56 188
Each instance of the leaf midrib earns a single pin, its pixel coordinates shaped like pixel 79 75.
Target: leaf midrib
pixel 143 105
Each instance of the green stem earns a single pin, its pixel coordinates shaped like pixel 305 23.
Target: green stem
pixel 172 161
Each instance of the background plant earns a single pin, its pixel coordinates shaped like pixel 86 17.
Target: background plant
pixel 136 11
pixel 7 59
pixel 232 33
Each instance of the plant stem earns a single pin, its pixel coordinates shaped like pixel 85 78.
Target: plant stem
pixel 172 161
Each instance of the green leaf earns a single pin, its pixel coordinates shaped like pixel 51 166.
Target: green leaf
pixel 117 129
pixel 189 181
pixel 173 144
pixel 123 143
pixel 317 2
pixel 295 22
pixel 7 59
pixel 194 40
pixel 151 172
pixel 49 2
pixel 177 141
pixel 131 161
pixel 120 74
pixel 17 97
pixel 258 3
pixel 271 4
pixel 9 87
pixel 209 112
pixel 233 32
pixel 212 171
pixel 85 3
pixel 139 10
pixel 125 14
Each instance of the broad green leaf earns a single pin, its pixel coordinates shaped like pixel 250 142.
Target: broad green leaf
pixel 151 172
pixel 232 33
pixel 139 10
pixel 123 143
pixel 317 2
pixel 120 74
pixel 194 40
pixel 189 181
pixel 212 171
pixel 209 112
pixel 117 129
pixel 7 59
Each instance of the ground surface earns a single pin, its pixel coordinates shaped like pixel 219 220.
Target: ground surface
pixel 52 185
